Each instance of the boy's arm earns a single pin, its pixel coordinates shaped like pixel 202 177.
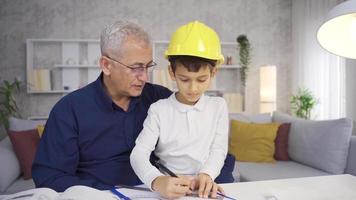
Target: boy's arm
pixel 145 144
pixel 218 149
pixel 168 187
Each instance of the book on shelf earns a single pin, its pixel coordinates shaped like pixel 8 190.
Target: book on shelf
pixel 41 80
pixel 234 102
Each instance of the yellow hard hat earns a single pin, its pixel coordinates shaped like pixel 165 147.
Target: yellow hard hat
pixel 195 39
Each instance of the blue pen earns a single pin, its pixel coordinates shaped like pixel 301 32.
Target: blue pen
pixel 165 169
pixel 119 194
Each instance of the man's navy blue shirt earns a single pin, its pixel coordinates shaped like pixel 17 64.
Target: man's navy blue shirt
pixel 88 139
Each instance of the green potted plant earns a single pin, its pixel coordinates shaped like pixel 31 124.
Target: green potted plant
pixel 302 103
pixel 244 49
pixel 8 106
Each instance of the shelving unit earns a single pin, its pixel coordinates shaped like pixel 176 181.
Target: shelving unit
pixel 59 66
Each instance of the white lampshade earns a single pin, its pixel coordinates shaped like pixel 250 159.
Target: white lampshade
pixel 338 33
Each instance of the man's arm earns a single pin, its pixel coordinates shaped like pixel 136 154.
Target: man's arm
pixel 57 156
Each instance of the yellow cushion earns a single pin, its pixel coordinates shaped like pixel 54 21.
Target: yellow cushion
pixel 40 129
pixel 252 142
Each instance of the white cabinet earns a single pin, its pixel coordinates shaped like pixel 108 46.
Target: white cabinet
pixel 61 65
pixel 64 65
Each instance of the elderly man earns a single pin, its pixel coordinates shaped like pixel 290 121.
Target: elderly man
pixel 90 132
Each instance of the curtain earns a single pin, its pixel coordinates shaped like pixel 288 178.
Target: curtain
pixel 313 67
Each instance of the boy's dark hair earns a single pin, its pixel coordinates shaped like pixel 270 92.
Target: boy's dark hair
pixel 191 63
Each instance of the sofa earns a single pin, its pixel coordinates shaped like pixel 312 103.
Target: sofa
pixel 11 179
pixel 332 150
pixel 17 151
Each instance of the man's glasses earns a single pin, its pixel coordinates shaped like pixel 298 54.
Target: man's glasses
pixel 138 68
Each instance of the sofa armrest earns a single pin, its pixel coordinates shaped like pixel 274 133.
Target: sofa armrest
pixel 351 158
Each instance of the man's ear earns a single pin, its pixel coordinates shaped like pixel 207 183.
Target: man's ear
pixel 214 71
pixel 171 73
pixel 105 65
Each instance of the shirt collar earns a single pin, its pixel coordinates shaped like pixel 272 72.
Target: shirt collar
pixel 199 106
pixel 104 99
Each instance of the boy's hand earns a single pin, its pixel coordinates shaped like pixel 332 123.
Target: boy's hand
pixel 171 187
pixel 206 186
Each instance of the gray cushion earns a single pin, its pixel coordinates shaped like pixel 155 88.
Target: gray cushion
pixel 351 158
pixel 320 144
pixel 9 167
pixel 283 118
pixel 250 171
pixel 257 118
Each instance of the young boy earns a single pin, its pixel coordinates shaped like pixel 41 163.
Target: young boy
pixel 188 132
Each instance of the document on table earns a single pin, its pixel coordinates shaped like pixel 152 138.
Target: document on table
pixel 141 194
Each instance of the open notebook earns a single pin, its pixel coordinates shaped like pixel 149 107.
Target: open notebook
pixel 133 193
pixel 80 192
pixel 77 192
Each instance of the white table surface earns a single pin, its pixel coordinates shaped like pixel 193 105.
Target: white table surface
pixel 334 187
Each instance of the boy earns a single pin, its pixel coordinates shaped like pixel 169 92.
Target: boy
pixel 188 132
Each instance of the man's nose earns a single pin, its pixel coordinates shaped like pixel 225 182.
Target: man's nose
pixel 143 76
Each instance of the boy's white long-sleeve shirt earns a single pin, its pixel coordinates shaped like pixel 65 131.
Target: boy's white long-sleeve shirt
pixel 190 139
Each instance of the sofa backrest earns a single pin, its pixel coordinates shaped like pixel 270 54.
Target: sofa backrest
pixel 351 158
pixel 322 144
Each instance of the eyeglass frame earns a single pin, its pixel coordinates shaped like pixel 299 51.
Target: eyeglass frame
pixel 135 70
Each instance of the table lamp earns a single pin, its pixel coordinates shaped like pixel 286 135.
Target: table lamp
pixel 338 33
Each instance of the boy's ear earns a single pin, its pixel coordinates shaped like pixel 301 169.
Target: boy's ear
pixel 214 71
pixel 171 73
pixel 105 65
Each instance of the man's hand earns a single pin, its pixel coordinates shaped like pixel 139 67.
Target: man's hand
pixel 206 186
pixel 171 187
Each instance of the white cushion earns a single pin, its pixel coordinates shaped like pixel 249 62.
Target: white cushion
pixel 16 124
pixel 6 142
pixel 9 167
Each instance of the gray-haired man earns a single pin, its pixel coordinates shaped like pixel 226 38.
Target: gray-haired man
pixel 90 132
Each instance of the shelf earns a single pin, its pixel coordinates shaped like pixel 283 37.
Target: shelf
pixel 75 66
pixel 63 40
pixel 215 90
pixel 37 117
pixel 49 91
pixel 229 66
